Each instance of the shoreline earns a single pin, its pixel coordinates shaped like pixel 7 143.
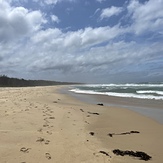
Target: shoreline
pixel 41 124
pixel 115 119
pixel 146 107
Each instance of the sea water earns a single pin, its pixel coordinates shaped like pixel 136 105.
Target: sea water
pixel 141 91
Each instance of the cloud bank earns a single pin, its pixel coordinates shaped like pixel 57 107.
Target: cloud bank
pixel 123 53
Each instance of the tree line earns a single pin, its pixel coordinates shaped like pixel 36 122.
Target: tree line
pixel 6 81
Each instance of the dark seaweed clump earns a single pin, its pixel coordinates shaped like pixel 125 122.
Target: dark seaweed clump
pixel 139 154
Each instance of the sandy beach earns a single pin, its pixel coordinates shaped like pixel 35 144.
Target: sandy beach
pixel 40 124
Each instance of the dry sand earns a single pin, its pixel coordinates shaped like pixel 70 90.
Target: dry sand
pixel 39 125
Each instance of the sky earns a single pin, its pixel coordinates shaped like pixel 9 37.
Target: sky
pixel 91 41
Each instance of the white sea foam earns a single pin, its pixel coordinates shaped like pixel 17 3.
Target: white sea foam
pixel 141 91
pixel 124 85
pixel 87 92
pixel 132 95
pixel 129 95
pixel 150 92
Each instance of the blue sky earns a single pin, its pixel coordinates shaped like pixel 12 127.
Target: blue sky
pixel 93 41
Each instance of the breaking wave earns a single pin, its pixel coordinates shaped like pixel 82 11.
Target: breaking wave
pixel 141 91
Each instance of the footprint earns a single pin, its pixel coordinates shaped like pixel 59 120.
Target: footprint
pixel 48 114
pixel 51 117
pixel 45 119
pixel 86 122
pixel 43 140
pixel 45 125
pixel 49 132
pixel 39 130
pixel 48 156
pixel 25 150
pixel 47 142
pixel 40 139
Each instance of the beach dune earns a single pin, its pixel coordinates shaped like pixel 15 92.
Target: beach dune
pixel 40 124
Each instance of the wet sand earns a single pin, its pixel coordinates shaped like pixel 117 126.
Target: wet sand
pixel 40 124
pixel 149 108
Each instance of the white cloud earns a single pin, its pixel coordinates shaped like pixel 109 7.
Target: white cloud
pixel 47 36
pixel 147 16
pixel 50 2
pixel 54 18
pixel 81 39
pixel 96 11
pixel 17 1
pixel 100 1
pixel 18 21
pixel 94 36
pixel 65 52
pixel 108 12
pixel 88 52
pixel 70 55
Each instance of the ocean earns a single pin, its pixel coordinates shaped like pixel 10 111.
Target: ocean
pixel 140 91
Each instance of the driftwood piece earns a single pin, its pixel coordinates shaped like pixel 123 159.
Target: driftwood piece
pixel 94 113
pixel 124 133
pixel 105 153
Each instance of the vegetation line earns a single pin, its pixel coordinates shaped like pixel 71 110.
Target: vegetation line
pixel 15 82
